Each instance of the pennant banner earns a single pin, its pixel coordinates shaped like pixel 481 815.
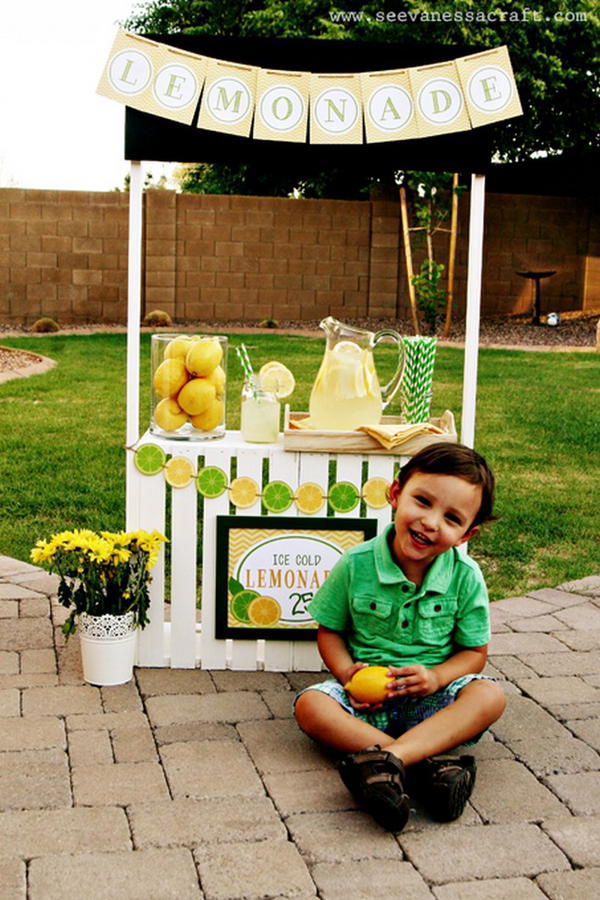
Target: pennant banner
pixel 345 108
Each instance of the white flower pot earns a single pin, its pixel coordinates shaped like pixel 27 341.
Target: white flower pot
pixel 107 648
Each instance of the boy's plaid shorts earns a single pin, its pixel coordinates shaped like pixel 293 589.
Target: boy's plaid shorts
pixel 397 716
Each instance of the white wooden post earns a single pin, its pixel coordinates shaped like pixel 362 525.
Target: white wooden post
pixel 475 265
pixel 134 306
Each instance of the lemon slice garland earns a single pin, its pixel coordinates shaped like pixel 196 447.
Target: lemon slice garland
pixel 276 496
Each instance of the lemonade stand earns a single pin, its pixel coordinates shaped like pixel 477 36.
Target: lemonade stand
pixel 276 515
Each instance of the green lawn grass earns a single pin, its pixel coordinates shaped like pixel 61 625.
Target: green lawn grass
pixel 63 436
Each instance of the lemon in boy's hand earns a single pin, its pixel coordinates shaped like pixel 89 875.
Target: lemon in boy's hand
pixel 369 685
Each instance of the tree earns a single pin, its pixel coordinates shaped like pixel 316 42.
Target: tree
pixel 554 51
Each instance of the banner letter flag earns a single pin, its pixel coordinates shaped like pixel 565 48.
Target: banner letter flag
pixel 281 106
pixel 153 78
pixel 335 109
pixel 388 106
pixel 228 98
pixel 489 86
pixel 439 100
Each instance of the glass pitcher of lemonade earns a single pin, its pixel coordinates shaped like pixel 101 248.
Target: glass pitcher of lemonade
pixel 346 392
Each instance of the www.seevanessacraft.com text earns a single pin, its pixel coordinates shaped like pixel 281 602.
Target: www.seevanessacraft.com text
pixel 525 14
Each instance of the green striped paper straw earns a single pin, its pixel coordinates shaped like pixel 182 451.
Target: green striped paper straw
pixel 417 377
pixel 246 365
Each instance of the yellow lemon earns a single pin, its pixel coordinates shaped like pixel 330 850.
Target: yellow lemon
pixel 210 418
pixel 170 377
pixel 309 498
pixel 264 611
pixel 196 396
pixel 217 378
pixel 375 492
pixel 179 471
pixel 369 685
pixel 203 356
pixel 168 414
pixel 178 348
pixel 276 377
pixel 243 492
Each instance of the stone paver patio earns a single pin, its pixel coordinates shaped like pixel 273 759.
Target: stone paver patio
pixel 198 784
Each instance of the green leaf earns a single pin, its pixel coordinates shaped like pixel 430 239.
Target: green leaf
pixel 234 586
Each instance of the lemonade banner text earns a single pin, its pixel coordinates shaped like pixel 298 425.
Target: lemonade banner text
pixel 344 108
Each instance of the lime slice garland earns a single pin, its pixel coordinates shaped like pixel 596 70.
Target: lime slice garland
pixel 277 496
pixel 149 459
pixel 343 497
pixel 211 482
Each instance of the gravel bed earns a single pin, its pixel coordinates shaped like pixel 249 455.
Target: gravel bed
pixel 577 332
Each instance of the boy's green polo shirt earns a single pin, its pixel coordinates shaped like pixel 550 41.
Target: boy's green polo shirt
pixel 386 620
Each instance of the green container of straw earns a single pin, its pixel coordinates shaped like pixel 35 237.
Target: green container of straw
pixel 417 378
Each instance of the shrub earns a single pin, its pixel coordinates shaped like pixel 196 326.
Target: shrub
pixel 45 324
pixel 157 318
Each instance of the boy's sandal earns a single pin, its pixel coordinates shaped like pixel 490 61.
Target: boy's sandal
pixel 443 784
pixel 376 779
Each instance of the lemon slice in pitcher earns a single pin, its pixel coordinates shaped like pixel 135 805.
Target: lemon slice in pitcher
pixel 277 378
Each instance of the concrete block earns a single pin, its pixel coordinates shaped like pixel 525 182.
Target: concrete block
pixel 121 698
pixel 61 700
pixel 34 733
pixel 521 644
pixel 340 836
pixel 119 783
pixel 105 721
pixel 36 661
pixel 36 606
pixel 279 703
pixel 582 585
pixel 210 769
pixel 174 681
pixel 564 755
pixel 580 618
pixel 195 731
pixel 28 833
pixel 11 591
pixel 133 744
pixel 476 852
pixel 490 889
pixel 576 663
pixel 559 689
pixel 212 820
pixel 115 876
pixel 13 878
pixel 25 634
pixel 253 871
pixel 90 747
pixel 566 711
pixel 368 878
pixel 570 885
pixel 300 680
pixel 588 730
pixel 522 607
pixel 581 640
pixel 10 567
pixel 505 791
pixel 279 746
pixel 523 719
pixel 10 702
pixel 9 663
pixel 569 594
pixel 578 838
pixel 308 792
pixel 39 581
pixel 512 667
pixel 9 609
pixel 548 624
pixel 23 760
pixel 234 707
pixel 250 681
pixel 39 786
pixel 580 792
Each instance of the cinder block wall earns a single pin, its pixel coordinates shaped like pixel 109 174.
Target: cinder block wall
pixel 206 257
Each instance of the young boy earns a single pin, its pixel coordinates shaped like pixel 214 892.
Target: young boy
pixel 409 600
